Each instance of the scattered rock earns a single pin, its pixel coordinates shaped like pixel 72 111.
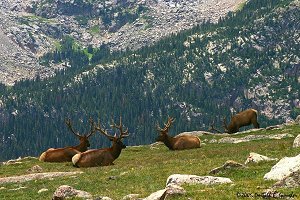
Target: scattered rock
pixel 297 141
pixel 17 161
pixel 178 179
pixel 174 190
pixel 249 138
pixel 131 197
pixel 43 190
pixel 256 158
pixel 103 198
pixel 156 195
pixel 291 181
pixel 156 145
pixel 65 191
pixel 196 133
pixel 12 162
pixel 35 169
pixel 230 164
pixel 35 176
pixel 19 188
pixel 297 120
pixel 284 168
pixel 174 181
pixel 279 126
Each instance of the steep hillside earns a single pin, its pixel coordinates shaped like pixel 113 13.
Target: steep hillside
pixel 249 59
pixel 31 28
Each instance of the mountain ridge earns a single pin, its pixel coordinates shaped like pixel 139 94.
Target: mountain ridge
pixel 32 28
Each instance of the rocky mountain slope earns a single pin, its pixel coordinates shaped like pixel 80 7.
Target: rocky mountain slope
pixel 248 59
pixel 30 28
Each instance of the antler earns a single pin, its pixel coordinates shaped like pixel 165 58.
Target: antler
pixel 69 124
pixel 212 128
pixel 167 125
pixel 225 124
pixel 123 134
pixel 93 128
pixel 103 131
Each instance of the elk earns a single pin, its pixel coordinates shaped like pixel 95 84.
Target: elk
pixel 241 119
pixel 179 142
pixel 104 156
pixel 65 154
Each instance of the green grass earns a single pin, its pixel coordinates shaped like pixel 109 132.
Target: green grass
pixel 38 19
pixel 94 30
pixel 144 170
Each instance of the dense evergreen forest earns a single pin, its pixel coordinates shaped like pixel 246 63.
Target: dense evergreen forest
pixel 197 76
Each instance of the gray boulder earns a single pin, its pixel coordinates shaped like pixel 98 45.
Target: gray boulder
pixel 297 120
pixel 297 141
pixel 256 158
pixel 291 181
pixel 285 167
pixel 131 197
pixel 230 164
pixel 65 191
pixel 168 191
pixel 35 169
pixel 179 179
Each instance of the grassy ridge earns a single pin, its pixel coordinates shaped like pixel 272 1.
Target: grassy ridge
pixel 145 169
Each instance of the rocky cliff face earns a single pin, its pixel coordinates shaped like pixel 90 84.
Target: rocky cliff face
pixel 30 28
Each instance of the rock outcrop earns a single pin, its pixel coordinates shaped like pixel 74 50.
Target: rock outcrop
pixel 35 176
pixel 291 181
pixel 285 167
pixel 65 191
pixel 179 179
pixel 256 158
pixel 230 164
pixel 296 142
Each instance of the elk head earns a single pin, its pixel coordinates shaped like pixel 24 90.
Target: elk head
pixel 84 142
pixel 163 132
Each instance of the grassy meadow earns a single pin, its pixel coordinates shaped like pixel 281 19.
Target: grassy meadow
pixel 145 169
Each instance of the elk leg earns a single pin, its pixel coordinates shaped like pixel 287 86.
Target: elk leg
pixel 255 124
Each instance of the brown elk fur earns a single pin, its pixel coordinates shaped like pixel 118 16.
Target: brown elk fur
pixel 65 154
pixel 177 143
pixel 105 156
pixel 241 119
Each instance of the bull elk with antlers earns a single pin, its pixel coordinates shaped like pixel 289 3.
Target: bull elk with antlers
pixel 239 120
pixel 179 142
pixel 65 154
pixel 105 156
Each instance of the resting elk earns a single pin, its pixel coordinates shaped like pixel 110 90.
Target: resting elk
pixel 65 154
pixel 105 156
pixel 179 142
